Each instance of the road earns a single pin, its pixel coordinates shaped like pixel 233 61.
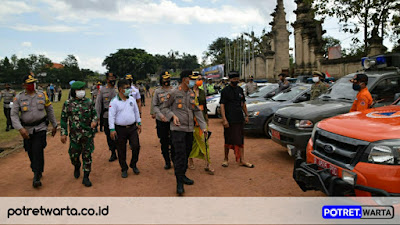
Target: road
pixel 272 175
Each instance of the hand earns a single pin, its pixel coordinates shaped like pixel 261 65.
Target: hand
pixel 225 123
pixel 153 116
pixel 205 132
pixel 63 139
pixel 164 119
pixel 176 121
pixel 24 133
pixel 139 129
pixel 246 119
pixel 54 131
pixel 93 125
pixel 113 135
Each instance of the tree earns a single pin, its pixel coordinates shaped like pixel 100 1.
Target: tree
pixel 216 50
pixel 367 16
pixel 134 61
pixel 70 61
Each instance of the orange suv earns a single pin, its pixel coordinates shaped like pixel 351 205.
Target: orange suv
pixel 354 154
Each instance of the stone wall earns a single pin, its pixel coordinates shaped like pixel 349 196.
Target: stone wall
pixel 264 67
pixel 338 68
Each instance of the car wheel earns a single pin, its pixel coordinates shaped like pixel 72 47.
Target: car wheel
pixel 267 131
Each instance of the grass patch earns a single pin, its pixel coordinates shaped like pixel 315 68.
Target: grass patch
pixel 12 134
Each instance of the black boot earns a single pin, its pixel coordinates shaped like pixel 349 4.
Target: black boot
pixel 113 156
pixel 187 181
pixel 179 185
pixel 77 172
pixel 36 180
pixel 167 165
pixel 86 180
pixel 135 169
pixel 8 128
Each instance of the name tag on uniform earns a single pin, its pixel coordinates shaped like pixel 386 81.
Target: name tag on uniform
pixel 179 106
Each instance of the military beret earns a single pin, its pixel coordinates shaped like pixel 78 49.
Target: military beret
pixel 78 85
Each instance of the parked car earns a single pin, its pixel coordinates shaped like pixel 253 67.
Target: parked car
pixel 262 94
pixel 292 126
pixel 261 113
pixel 356 153
pixel 213 105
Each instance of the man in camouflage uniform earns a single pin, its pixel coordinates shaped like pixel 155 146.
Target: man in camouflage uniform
pixel 8 95
pixel 106 93
pixel 79 115
pixel 36 109
pixel 319 87
pixel 160 97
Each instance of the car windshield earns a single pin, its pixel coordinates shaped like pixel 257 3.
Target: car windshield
pixel 343 89
pixel 289 94
pixel 264 91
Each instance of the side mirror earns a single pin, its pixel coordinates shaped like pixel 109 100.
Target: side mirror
pixel 396 96
pixel 301 99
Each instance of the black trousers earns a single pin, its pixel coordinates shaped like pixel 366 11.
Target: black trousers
pixel 7 113
pixel 164 134
pixel 35 147
pixel 125 134
pixel 182 142
pixel 142 99
pixel 111 143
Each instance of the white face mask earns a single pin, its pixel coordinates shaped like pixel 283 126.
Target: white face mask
pixel 80 93
pixel 315 79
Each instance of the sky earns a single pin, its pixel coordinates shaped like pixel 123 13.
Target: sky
pixel 93 29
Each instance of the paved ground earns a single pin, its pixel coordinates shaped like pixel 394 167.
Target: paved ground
pixel 272 175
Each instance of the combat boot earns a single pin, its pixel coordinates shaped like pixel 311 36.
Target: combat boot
pixel 36 180
pixel 86 180
pixel 77 172
pixel 187 181
pixel 167 161
pixel 179 185
pixel 113 156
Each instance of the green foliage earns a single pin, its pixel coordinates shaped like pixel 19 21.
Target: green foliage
pixel 329 42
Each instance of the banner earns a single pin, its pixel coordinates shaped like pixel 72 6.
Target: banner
pixel 214 72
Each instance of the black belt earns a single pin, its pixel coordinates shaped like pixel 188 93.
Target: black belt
pixel 128 126
pixel 36 123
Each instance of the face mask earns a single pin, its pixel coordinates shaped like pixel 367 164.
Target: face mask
pixel 112 82
pixel 315 79
pixel 30 87
pixel 199 83
pixel 356 87
pixel 80 93
pixel 234 83
pixel 127 92
pixel 192 83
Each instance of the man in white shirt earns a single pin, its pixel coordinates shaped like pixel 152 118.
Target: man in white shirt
pixel 123 116
pixel 134 91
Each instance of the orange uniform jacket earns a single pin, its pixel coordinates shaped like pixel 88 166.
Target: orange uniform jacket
pixel 363 101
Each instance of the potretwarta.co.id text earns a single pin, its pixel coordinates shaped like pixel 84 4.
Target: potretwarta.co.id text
pixel 65 211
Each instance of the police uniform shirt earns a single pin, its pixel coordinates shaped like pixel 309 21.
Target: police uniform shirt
pixel 103 99
pixel 135 93
pixel 251 87
pixel 182 105
pixel 123 113
pixel 8 97
pixel 233 100
pixel 33 108
pixel 160 102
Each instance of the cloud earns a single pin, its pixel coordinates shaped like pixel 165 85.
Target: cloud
pixel 26 44
pixel 50 28
pixel 189 1
pixel 14 8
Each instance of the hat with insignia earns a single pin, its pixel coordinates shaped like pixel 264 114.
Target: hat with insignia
pixel 78 85
pixel 194 76
pixel 29 79
pixel 99 82
pixel 165 75
pixel 317 73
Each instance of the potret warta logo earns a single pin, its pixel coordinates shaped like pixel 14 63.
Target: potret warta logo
pixel 357 212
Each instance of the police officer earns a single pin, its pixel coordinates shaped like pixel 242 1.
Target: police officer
pixel 135 93
pixel 182 109
pixel 363 99
pixel 79 115
pixel 159 103
pixel 8 95
pixel 251 86
pixel 210 87
pixel 35 108
pixel 319 87
pixel 103 100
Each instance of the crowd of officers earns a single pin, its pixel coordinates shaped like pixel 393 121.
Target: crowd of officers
pixel 178 112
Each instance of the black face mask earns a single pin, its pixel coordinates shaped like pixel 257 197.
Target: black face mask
pixel 112 82
pixel 167 83
pixel 234 83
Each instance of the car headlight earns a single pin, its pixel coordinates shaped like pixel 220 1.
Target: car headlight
pixel 349 177
pixel 254 114
pixel 384 152
pixel 304 124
